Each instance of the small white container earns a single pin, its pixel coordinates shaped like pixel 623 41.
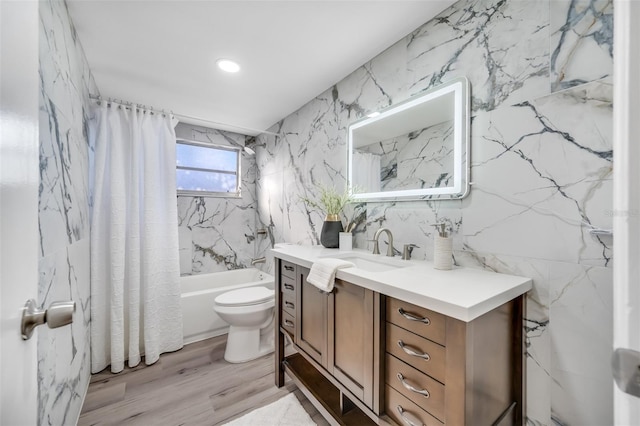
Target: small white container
pixel 442 252
pixel 346 241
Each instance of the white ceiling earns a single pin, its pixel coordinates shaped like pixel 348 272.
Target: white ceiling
pixel 162 53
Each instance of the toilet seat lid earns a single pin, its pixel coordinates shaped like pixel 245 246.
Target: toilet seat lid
pixel 245 296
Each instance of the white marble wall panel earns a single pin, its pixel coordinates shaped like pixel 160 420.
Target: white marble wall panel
pixel 64 186
pixel 541 173
pixel 222 230
pixel 581 42
pixel 65 84
pixel 581 317
pixel 502 47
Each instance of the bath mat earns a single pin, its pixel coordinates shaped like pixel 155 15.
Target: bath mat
pixel 286 411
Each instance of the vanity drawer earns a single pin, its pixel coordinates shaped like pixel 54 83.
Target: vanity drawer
pixel 288 269
pixel 409 381
pixel 289 324
pixel 416 351
pixel 397 406
pixel 289 303
pixel 287 286
pixel 419 320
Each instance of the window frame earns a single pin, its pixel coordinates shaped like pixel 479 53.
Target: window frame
pixel 238 172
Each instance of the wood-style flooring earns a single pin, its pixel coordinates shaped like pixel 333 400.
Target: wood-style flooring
pixel 193 386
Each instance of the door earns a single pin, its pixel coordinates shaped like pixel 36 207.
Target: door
pixel 19 181
pixel 350 338
pixel 311 327
pixel 626 202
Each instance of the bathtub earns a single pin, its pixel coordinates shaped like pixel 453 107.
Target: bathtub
pixel 200 321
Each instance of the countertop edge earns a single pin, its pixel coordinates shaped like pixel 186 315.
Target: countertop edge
pixel 445 307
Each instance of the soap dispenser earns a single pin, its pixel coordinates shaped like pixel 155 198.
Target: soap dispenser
pixel 442 248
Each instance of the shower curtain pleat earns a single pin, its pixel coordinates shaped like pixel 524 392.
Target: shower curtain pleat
pixel 366 172
pixel 135 289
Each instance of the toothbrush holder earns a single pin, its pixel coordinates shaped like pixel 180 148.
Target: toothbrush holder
pixel 443 253
pixel 346 241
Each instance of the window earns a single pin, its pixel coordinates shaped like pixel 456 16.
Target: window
pixel 204 169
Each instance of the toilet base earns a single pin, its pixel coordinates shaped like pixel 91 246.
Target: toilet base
pixel 248 343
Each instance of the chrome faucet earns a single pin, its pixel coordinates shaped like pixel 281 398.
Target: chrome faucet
pixel 408 249
pixel 376 248
pixel 258 260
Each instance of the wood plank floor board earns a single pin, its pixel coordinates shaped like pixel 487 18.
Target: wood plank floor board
pixel 106 394
pixel 193 386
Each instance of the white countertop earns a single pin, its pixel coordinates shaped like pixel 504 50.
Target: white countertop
pixel 461 293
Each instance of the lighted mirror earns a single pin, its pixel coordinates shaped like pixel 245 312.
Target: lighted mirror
pixel 416 149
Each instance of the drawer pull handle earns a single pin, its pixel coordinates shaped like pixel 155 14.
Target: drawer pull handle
pixel 407 386
pixel 410 351
pixel 408 418
pixel 288 287
pixel 288 268
pixel 413 317
pixel 289 304
pixel 288 323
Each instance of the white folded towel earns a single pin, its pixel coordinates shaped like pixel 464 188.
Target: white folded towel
pixel 323 272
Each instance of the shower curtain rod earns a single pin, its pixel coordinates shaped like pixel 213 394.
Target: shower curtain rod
pixel 182 117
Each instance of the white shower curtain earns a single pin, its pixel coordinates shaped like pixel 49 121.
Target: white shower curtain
pixel 135 288
pixel 366 171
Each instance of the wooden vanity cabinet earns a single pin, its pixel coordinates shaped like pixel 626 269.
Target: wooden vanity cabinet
pixel 337 331
pixel 311 326
pixel 440 370
pixel 365 358
pixel 351 345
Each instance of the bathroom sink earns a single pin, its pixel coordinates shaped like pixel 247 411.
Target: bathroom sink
pixel 372 263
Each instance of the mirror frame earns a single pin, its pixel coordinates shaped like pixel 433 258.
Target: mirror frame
pixel 461 172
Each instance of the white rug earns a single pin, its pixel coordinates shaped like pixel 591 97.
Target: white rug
pixel 286 411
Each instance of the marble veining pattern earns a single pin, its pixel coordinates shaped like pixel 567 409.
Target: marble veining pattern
pixel 221 232
pixel 65 84
pixel 545 162
pixel 502 47
pixel 541 167
pixel 581 42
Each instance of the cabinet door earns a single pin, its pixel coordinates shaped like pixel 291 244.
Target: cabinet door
pixel 311 327
pixel 351 339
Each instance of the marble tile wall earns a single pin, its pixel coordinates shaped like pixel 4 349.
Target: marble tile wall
pixel 541 167
pixel 66 81
pixel 218 234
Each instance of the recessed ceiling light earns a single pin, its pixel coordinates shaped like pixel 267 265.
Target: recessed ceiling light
pixel 228 65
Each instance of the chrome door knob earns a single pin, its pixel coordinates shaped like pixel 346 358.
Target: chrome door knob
pixel 58 314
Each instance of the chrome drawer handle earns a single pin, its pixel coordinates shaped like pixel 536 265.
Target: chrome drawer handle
pixel 288 323
pixel 289 304
pixel 410 351
pixel 407 386
pixel 408 418
pixel 289 268
pixel 288 287
pixel 413 317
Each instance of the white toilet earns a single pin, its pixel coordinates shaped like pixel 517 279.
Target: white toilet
pixel 249 312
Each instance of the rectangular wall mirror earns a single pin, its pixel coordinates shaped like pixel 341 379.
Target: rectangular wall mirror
pixel 417 149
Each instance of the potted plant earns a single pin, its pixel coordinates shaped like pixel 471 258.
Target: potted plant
pixel 331 203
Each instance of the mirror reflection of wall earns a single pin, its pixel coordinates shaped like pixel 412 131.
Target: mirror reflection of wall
pixel 414 149
pixel 419 159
